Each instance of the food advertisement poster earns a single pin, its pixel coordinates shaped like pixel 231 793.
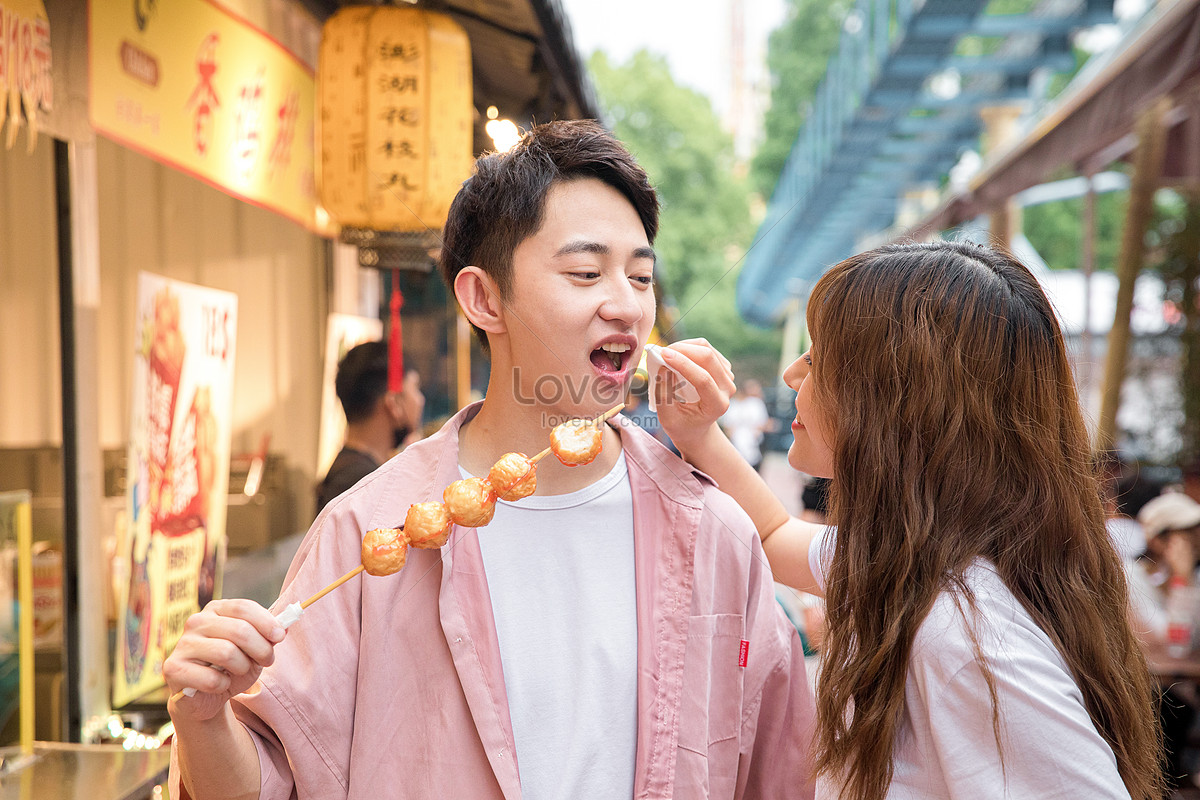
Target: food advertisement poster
pixel 345 331
pixel 178 472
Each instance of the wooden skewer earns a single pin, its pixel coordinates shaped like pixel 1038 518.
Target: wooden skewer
pixel 332 586
pixel 612 412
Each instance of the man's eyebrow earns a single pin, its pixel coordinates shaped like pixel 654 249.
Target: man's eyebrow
pixel 600 249
pixel 582 246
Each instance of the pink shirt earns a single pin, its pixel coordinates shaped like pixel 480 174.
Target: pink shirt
pixel 393 686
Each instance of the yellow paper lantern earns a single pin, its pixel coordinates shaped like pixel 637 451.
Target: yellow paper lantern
pixel 395 117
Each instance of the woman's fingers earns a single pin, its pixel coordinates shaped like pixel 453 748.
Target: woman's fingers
pixel 702 367
pixel 701 343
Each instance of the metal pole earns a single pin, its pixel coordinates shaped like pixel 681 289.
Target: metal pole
pixel 70 444
pixel 85 637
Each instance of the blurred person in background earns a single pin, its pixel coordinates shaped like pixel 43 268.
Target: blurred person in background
pixel 1162 593
pixel 378 422
pixel 746 421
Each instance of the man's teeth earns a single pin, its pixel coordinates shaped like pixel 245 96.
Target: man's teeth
pixel 614 351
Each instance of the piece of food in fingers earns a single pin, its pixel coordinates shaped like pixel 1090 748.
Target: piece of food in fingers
pixel 427 525
pixel 513 477
pixel 384 551
pixel 576 442
pixel 471 502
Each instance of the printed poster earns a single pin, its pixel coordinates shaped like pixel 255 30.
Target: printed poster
pixel 345 331
pixel 178 472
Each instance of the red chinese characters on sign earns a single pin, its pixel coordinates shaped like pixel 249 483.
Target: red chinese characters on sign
pixel 204 100
pixel 248 132
pixel 25 61
pixel 166 349
pixel 281 147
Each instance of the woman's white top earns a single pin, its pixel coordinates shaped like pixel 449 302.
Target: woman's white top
pixel 946 745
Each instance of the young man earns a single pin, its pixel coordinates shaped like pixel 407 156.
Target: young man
pixel 615 635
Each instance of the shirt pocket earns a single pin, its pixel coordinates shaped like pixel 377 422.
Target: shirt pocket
pixel 711 703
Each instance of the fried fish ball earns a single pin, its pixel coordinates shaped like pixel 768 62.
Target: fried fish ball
pixel 471 502
pixel 513 476
pixel 576 442
pixel 427 525
pixel 384 551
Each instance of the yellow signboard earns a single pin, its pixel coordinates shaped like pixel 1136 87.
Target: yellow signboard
pixel 26 88
pixel 192 85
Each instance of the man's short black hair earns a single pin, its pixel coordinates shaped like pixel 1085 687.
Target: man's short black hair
pixel 502 204
pixel 362 378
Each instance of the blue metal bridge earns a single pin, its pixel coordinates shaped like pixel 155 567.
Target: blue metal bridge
pixel 898 106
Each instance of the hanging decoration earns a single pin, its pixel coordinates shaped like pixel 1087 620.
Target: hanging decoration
pixel 396 136
pixel 395 117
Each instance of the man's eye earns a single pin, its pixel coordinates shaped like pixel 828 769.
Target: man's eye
pixel 645 280
pixel 585 276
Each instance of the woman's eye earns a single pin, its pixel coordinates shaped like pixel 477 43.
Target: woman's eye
pixel 807 359
pixel 645 280
pixel 585 275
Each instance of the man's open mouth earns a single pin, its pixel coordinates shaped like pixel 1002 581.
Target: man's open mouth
pixel 612 357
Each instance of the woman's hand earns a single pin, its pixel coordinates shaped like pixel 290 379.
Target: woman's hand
pixel 221 654
pixel 709 372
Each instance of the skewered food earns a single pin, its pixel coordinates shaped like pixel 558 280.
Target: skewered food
pixel 427 525
pixel 384 551
pixel 576 442
pixel 513 477
pixel 471 502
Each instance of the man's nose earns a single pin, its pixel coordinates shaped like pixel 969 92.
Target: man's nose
pixel 621 302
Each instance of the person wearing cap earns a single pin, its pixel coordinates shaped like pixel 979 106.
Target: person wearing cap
pixel 1171 523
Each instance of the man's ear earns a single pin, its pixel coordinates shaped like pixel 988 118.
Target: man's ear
pixel 391 403
pixel 480 299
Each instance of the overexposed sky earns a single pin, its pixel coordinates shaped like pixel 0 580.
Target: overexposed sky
pixel 694 35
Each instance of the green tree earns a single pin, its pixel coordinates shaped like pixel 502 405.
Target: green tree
pixel 1174 240
pixel 705 222
pixel 1056 230
pixel 798 54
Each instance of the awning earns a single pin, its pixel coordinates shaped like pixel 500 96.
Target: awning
pixel 1091 125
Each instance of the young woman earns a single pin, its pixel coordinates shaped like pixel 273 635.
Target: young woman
pixel 978 643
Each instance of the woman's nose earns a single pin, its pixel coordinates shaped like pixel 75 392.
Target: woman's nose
pixel 793 376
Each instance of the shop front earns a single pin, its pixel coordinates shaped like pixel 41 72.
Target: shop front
pixel 171 287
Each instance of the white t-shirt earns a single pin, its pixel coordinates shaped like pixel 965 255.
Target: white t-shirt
pixel 946 747
pixel 560 572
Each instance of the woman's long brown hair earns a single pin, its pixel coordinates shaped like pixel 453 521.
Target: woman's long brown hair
pixel 957 435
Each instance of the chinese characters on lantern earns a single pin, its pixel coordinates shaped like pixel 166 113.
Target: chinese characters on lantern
pixel 399 88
